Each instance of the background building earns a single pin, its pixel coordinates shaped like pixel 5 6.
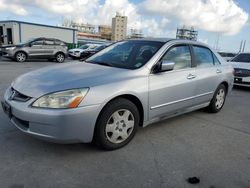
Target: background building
pixel 185 33
pixel 14 32
pixel 105 32
pixel 119 27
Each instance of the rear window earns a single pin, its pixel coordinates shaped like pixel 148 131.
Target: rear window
pixel 203 56
pixel 245 58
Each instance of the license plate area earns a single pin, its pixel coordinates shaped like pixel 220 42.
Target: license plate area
pixel 7 109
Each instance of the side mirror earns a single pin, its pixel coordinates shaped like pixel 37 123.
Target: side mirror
pixel 167 65
pixel 30 44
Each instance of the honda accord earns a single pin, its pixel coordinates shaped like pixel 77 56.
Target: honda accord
pixel 129 84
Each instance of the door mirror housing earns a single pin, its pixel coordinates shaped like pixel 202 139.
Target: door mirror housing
pixel 167 65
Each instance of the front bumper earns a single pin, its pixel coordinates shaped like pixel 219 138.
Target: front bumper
pixel 242 81
pixel 56 125
pixel 74 54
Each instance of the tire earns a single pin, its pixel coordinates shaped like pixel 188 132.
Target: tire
pixel 60 57
pixel 218 99
pixel 20 57
pixel 117 124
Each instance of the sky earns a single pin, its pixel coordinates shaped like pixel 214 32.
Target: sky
pixel 221 24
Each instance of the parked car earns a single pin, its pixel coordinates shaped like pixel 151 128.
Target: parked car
pixel 39 48
pixel 241 64
pixel 76 52
pixel 227 55
pixel 87 53
pixel 129 84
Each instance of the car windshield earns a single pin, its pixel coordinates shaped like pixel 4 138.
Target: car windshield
pixel 242 58
pixel 98 48
pixel 84 46
pixel 126 54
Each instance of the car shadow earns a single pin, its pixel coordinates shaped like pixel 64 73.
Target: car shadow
pixel 242 88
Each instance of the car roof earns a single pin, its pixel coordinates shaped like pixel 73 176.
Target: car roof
pixel 44 38
pixel 153 39
pixel 165 40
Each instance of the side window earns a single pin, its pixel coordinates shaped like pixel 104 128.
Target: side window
pixel 216 61
pixel 180 55
pixel 49 42
pixel 37 43
pixel 203 56
pixel 58 42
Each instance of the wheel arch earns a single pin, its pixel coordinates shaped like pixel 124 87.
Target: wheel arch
pixel 134 99
pixel 23 52
pixel 60 52
pixel 226 85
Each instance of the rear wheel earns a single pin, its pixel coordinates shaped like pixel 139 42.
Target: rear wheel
pixel 20 57
pixel 117 124
pixel 218 100
pixel 60 57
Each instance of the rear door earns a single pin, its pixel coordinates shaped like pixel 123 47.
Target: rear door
pixel 173 90
pixel 207 74
pixel 49 47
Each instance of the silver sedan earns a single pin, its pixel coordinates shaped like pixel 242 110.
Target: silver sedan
pixel 129 84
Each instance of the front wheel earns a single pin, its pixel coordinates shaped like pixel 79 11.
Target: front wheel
pixel 117 124
pixel 218 100
pixel 60 57
pixel 20 57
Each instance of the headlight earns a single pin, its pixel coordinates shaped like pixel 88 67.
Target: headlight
pixel 63 99
pixel 10 48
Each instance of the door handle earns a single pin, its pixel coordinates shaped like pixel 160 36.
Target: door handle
pixel 191 76
pixel 218 71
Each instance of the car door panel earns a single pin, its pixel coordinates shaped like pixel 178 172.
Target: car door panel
pixel 36 49
pixel 170 92
pixel 173 90
pixel 207 75
pixel 49 48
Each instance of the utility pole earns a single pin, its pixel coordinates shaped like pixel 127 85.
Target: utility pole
pixel 244 44
pixel 240 45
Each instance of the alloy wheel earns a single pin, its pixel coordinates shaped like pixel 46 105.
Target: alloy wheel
pixel 21 57
pixel 60 58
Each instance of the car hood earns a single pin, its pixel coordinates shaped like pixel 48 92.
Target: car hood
pixel 240 65
pixel 9 46
pixel 67 76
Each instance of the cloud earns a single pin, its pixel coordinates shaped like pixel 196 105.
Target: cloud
pixel 153 17
pixel 14 8
pixel 222 16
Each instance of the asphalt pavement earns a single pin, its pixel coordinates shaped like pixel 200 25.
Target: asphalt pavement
pixel 215 148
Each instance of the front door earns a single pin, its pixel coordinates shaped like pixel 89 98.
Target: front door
pixel 36 49
pixel 172 91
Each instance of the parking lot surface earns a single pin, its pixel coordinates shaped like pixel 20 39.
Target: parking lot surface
pixel 213 147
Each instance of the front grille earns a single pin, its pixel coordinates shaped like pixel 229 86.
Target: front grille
pixel 17 96
pixel 241 72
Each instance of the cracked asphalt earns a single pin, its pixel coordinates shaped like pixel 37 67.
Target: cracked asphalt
pixel 213 147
